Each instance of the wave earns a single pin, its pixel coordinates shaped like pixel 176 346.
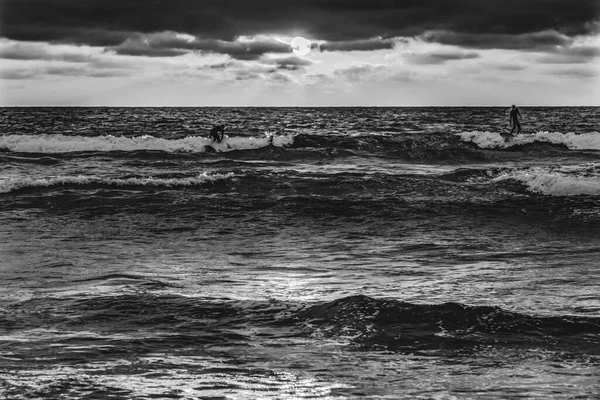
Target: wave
pixel 13 159
pixel 15 184
pixel 346 314
pixel 393 324
pixel 191 144
pixel 573 141
pixel 356 320
pixel 558 181
pixel 436 147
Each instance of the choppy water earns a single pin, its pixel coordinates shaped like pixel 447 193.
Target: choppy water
pixel 401 253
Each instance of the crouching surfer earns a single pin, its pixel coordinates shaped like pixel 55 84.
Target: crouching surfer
pixel 214 133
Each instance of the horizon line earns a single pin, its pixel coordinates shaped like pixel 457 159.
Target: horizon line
pixel 283 106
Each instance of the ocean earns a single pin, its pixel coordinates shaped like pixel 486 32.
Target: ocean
pixel 316 253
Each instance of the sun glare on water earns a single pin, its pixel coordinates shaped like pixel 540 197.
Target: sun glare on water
pixel 300 45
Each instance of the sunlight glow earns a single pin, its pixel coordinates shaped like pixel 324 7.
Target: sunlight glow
pixel 300 45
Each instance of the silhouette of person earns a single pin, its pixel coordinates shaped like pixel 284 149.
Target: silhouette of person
pixel 514 120
pixel 214 133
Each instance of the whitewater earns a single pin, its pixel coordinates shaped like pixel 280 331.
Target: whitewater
pixel 329 253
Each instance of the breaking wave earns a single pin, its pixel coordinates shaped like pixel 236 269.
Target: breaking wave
pixel 559 181
pixel 191 144
pixel 573 141
pixel 15 184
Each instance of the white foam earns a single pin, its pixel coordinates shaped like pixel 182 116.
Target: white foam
pixel 490 140
pixel 11 184
pixel 558 181
pixel 192 144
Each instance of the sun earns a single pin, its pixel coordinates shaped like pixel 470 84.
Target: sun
pixel 300 45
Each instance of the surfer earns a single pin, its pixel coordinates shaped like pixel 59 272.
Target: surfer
pixel 514 120
pixel 214 133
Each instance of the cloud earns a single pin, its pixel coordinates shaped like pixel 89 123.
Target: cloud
pixel 129 49
pixel 545 40
pixel 111 22
pixel 357 45
pixel 572 55
pixel 220 66
pixel 108 73
pixel 361 71
pixel 440 57
pixel 16 74
pixel 11 50
pixel 576 73
pixel 73 70
pixel 34 59
pixel 68 35
pixel 169 43
pixel 280 78
pixel 28 60
pixel 290 63
pixel 246 75
pixel 509 67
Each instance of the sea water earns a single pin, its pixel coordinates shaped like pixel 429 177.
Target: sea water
pixel 323 253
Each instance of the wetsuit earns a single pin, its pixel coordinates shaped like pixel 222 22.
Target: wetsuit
pixel 214 133
pixel 514 119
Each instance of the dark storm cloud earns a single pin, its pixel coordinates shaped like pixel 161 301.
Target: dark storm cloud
pixel 69 35
pixel 526 41
pixel 440 57
pixel 241 50
pixel 357 45
pixel 173 44
pixel 148 51
pixel 110 22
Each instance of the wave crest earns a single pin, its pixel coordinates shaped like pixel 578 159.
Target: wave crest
pixel 393 324
pixel 15 184
pixel 558 181
pixel 573 141
pixel 191 144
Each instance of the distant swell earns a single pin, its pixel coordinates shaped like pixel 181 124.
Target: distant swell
pixel 491 140
pixel 16 184
pixel 191 144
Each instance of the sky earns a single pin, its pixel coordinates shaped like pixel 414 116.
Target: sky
pixel 238 52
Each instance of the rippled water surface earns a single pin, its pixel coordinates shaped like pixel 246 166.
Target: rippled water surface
pixel 401 253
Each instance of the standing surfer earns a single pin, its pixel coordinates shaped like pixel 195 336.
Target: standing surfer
pixel 514 120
